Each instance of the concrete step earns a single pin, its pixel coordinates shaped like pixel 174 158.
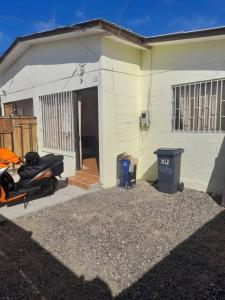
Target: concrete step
pixel 84 180
pixel 91 173
pixel 88 177
pixel 91 164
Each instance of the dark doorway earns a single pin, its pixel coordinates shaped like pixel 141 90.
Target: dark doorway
pixel 88 129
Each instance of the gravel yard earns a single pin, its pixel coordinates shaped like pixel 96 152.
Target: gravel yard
pixel 117 244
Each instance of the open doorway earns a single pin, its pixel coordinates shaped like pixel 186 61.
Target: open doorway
pixel 88 130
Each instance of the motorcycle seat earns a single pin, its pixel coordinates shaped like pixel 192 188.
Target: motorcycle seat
pixel 48 161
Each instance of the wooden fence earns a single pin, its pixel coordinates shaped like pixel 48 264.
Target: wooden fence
pixel 18 134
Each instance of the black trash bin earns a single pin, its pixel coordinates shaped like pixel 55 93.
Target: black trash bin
pixel 169 160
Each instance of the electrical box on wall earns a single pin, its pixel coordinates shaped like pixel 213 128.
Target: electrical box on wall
pixel 144 119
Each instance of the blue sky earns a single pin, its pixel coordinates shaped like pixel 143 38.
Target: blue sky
pixel 147 17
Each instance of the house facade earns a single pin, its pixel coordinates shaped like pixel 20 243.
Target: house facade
pixel 177 78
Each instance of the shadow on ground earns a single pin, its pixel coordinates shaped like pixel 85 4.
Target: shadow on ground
pixel 27 271
pixel 62 184
pixel 217 179
pixel 195 269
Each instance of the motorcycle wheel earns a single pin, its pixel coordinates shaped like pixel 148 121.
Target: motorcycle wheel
pixel 54 184
pixel 50 188
pixel 45 190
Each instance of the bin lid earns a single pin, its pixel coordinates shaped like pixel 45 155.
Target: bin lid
pixel 168 151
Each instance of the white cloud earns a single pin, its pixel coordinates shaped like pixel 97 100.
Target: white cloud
pixel 80 14
pixel 139 21
pixel 44 26
pixel 192 23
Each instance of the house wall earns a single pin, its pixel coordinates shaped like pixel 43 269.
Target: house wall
pixel 129 80
pixel 53 67
pixel 119 105
pixel 47 68
pixel 203 163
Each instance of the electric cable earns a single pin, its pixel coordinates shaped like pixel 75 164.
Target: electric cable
pixel 125 11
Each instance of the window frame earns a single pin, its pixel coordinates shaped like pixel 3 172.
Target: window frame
pixel 216 109
pixel 57 121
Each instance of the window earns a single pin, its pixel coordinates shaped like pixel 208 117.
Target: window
pixel 199 106
pixel 57 120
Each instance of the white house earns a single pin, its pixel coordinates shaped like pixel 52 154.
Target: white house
pixel 94 79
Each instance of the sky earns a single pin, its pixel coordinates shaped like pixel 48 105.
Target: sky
pixel 146 17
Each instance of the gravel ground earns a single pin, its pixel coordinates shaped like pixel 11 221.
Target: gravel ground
pixel 117 244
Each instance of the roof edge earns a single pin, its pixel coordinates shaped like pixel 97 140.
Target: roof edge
pixel 186 35
pixel 119 32
pixel 112 28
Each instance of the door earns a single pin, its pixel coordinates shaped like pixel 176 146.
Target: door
pixel 79 129
pixel 85 104
pixel 87 113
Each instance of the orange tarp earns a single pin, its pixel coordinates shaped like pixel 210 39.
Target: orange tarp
pixel 7 157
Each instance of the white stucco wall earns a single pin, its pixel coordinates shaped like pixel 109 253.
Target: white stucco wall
pixel 120 105
pixel 203 162
pixel 48 68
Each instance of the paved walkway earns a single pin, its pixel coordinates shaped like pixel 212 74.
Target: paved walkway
pixel 63 194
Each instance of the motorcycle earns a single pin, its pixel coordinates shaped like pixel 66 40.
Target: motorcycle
pixel 37 176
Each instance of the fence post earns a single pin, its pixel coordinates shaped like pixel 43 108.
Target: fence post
pixel 30 136
pixel 21 132
pixel 12 135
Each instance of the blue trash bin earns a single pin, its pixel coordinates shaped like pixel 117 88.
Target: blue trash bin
pixel 126 173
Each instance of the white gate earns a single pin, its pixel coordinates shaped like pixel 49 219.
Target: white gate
pixel 57 120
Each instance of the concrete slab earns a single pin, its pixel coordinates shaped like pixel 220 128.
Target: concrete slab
pixel 63 194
